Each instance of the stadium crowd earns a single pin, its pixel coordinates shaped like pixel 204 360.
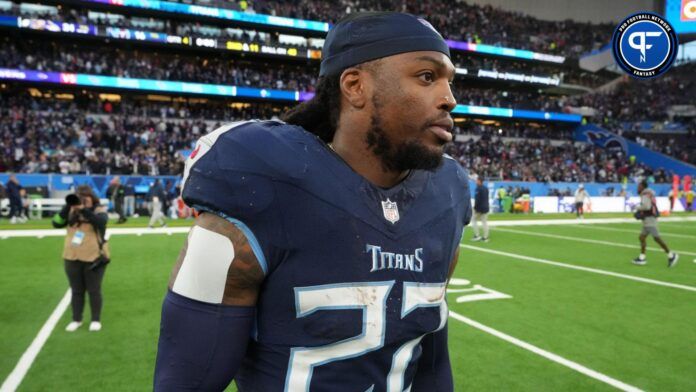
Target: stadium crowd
pixel 224 70
pixel 41 137
pixel 515 130
pixel 465 22
pixel 461 59
pixel 83 16
pixel 219 70
pixel 542 161
pixel 145 64
pixel 640 100
pixel 133 137
pixel 682 147
pixel 144 137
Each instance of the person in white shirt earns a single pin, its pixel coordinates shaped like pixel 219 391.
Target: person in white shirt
pixel 580 197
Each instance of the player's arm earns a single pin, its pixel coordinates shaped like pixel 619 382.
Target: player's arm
pixel 434 372
pixel 209 310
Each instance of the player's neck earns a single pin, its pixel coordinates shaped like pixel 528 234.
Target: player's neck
pixel 362 160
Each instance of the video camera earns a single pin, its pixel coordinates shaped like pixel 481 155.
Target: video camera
pixel 73 200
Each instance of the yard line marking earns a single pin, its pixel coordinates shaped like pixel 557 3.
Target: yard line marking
pixel 12 381
pixel 637 231
pixel 591 241
pixel 581 268
pixel 546 354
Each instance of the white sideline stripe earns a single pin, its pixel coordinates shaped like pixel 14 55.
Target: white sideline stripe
pixel 591 241
pixel 548 355
pixel 15 378
pixel 589 221
pixel 581 268
pixel 636 232
pixel 109 232
pixel 4 234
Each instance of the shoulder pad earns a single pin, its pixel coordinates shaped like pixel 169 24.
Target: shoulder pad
pixel 231 169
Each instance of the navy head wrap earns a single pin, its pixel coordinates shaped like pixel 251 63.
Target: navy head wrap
pixel 367 36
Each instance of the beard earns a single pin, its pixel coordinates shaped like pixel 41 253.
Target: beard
pixel 410 154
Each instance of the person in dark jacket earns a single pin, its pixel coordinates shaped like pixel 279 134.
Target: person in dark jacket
pixel 481 209
pixel 116 193
pixel 14 193
pixel 156 195
pixel 84 244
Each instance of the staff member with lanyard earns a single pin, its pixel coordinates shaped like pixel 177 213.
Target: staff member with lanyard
pixel 85 252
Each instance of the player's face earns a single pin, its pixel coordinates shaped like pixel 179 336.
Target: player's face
pixel 412 100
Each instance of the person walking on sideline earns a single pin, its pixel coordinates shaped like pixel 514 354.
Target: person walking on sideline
pixel 156 195
pixel 647 212
pixel 581 196
pixel 481 209
pixel 14 193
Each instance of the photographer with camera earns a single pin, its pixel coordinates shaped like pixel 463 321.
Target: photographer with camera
pixel 647 213
pixel 85 252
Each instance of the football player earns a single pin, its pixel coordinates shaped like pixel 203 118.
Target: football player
pixel 647 212
pixel 321 258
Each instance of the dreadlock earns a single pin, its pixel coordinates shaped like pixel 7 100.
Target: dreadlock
pixel 320 114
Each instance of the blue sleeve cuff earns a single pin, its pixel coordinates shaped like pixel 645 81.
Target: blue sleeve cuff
pixel 201 345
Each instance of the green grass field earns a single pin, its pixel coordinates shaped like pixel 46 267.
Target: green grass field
pixel 568 291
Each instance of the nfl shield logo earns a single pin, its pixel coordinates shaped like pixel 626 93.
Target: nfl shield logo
pixel 391 211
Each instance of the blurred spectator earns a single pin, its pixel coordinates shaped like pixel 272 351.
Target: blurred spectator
pixel 14 193
pixel 129 200
pixel 157 196
pixel 116 193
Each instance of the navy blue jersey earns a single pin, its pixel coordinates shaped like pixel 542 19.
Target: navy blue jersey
pixel 355 274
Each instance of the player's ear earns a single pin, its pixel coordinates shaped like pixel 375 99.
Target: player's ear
pixel 353 87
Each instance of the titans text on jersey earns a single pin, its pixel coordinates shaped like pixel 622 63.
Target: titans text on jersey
pixel 382 259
